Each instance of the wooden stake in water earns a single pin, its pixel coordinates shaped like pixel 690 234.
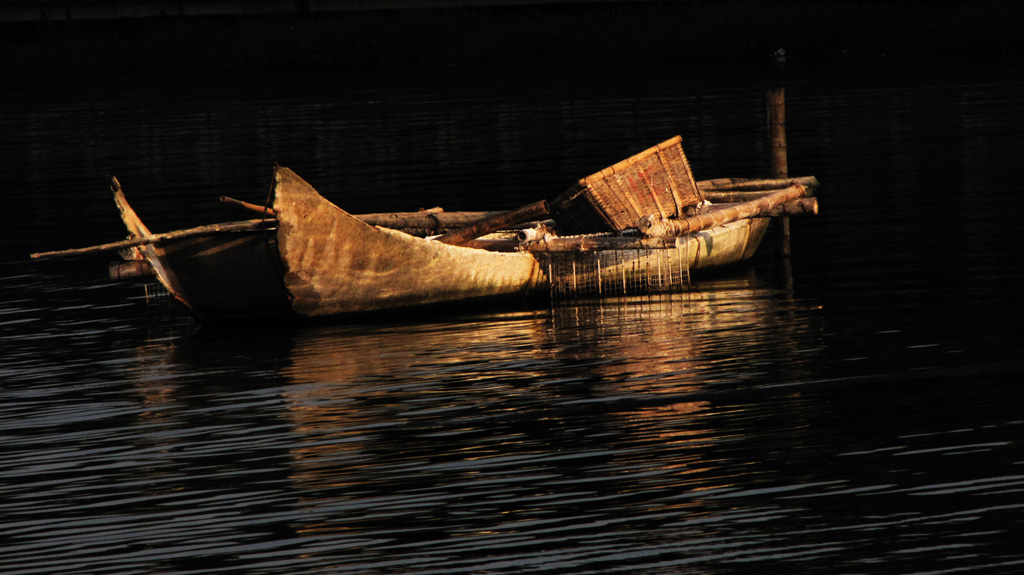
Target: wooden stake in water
pixel 779 160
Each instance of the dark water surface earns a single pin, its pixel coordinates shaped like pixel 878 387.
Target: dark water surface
pixel 856 411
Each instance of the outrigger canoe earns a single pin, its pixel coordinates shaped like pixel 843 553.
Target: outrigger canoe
pixel 306 258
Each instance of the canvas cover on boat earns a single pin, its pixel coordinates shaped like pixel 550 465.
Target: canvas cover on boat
pixel 657 181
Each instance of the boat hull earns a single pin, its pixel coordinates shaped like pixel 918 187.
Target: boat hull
pixel 336 264
pixel 320 262
pixel 220 276
pixel 224 278
pixel 724 245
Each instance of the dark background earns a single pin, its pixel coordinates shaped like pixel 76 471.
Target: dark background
pixel 610 38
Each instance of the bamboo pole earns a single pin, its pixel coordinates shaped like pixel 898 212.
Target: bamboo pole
pixel 797 207
pixel 744 185
pixel 248 225
pixel 251 207
pixel 739 197
pixel 596 243
pixel 493 223
pixel 659 227
pixel 433 219
pixel 426 220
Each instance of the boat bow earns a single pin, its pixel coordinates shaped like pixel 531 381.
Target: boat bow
pixel 336 264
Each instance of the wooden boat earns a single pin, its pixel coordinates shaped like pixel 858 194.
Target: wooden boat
pixel 306 258
pixel 334 264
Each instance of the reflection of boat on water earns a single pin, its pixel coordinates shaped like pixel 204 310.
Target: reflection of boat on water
pixel 640 226
pixel 662 342
pixel 620 369
pixel 727 325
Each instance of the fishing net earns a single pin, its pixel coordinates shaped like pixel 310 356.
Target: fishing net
pixel 616 272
